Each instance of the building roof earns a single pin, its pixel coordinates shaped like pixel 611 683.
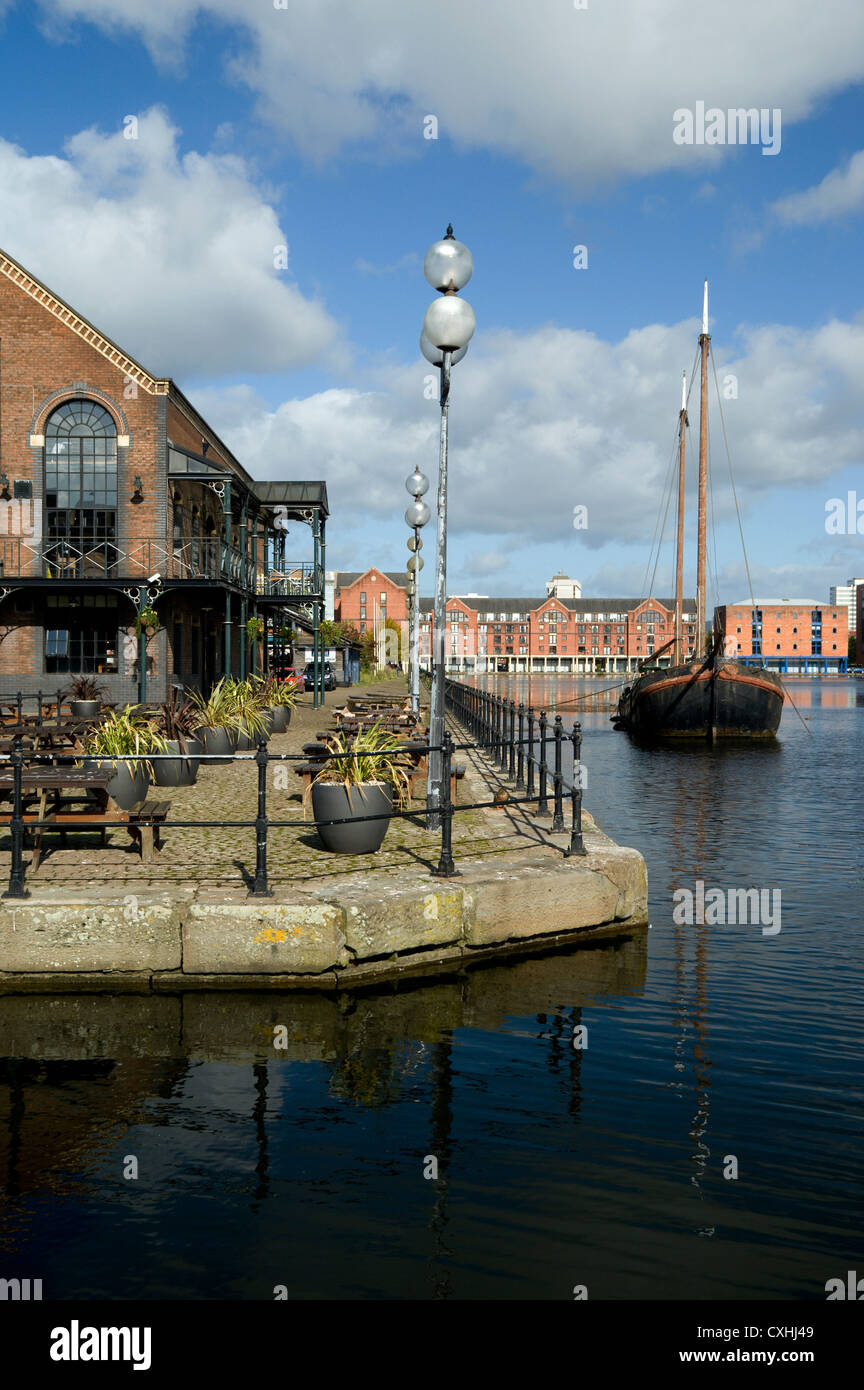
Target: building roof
pixel 776 603
pixel 345 578
pixel 293 495
pixel 574 605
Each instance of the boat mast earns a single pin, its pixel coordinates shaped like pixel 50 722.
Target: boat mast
pixel 701 542
pixel 679 554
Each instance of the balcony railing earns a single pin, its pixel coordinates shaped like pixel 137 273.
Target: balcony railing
pixel 138 558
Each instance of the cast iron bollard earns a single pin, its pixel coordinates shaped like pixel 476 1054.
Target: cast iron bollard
pixel 511 762
pixel 445 867
pixel 16 887
pixel 542 803
pixel 576 844
pixel 530 751
pixel 558 817
pixel 520 754
pixel 260 888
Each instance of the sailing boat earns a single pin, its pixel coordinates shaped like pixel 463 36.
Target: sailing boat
pixel 711 695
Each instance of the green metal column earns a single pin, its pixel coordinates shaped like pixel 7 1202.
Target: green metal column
pixel 316 613
pixel 254 586
pixel 244 640
pixel 226 570
pixel 142 650
pixel 322 591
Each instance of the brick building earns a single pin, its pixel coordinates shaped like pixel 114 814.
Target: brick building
pixel 116 495
pixel 797 636
pixel 367 598
pixel 572 636
pixel 552 633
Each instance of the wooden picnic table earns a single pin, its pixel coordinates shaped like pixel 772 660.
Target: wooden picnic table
pixel 89 802
pixel 65 734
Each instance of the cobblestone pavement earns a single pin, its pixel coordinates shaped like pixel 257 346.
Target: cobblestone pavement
pixel 211 857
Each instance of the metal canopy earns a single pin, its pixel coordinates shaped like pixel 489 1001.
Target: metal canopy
pixel 297 498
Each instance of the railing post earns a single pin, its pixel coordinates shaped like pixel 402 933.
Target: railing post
pixel 445 867
pixel 16 887
pixel 39 705
pixel 558 816
pixel 511 763
pixel 576 844
pixel 59 701
pixel 19 701
pixel 260 888
pixel 520 753
pixel 499 730
pixel 530 791
pixel 542 803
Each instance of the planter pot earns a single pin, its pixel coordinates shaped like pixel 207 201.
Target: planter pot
pixel 85 709
pixel 247 742
pixel 176 772
pixel 219 742
pixel 268 716
pixel 127 788
pixel 357 836
pixel 281 718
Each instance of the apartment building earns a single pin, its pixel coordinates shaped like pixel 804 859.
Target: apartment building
pixel 797 636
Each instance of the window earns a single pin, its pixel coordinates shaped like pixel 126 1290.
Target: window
pixel 362 598
pixel 81 634
pixel 80 491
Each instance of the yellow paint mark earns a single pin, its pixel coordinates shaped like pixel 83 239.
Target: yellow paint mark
pixel 271 935
pixel 430 907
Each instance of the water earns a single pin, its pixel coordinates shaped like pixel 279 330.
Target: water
pixel 556 1167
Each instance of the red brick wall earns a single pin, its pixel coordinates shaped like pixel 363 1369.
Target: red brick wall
pixel 786 632
pixel 347 605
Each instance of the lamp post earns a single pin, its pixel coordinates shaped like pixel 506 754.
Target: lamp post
pixel 448 327
pixel 416 515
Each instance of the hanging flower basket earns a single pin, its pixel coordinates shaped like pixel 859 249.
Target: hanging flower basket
pixel 147 622
pixel 255 629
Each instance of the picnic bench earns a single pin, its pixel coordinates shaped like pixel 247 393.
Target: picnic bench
pixel 79 801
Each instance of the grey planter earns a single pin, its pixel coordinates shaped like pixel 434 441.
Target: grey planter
pixel 85 709
pixel 281 718
pixel 219 742
pixel 357 836
pixel 180 771
pixel 247 742
pixel 127 788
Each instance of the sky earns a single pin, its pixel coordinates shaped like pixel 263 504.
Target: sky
pixel 241 193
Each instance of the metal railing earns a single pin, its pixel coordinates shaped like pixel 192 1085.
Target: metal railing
pixel 503 731
pixel 131 558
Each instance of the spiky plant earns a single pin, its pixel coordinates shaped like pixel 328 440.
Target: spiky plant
pixel 125 732
pixel 217 710
pixel 370 755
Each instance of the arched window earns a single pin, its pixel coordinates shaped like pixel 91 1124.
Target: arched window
pixel 80 489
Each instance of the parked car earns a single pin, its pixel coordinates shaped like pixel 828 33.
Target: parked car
pixel 283 672
pixel 309 676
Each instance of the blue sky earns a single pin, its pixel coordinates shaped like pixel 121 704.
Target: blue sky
pixel 259 127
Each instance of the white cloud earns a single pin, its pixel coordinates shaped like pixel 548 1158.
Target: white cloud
pixel 171 256
pixel 541 422
pixel 581 95
pixel 840 192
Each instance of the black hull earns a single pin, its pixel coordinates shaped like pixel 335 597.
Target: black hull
pixel 717 698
